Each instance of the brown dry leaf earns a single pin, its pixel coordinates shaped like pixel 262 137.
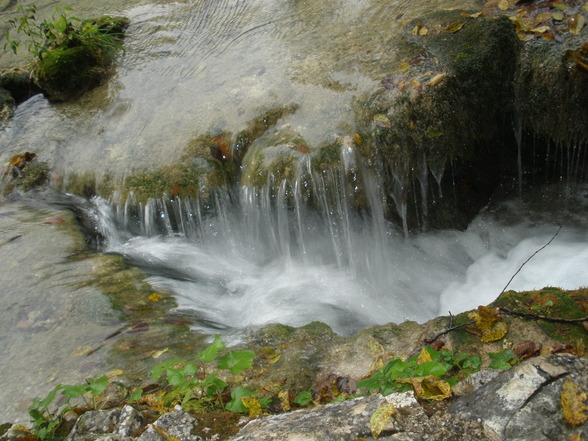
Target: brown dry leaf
pixel 548 37
pixel 572 402
pixel 381 418
pixel 357 139
pixel 416 85
pixel 436 79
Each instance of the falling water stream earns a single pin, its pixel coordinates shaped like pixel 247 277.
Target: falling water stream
pixel 251 257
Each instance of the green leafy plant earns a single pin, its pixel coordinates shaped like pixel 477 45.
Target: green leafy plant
pixel 303 398
pixel 397 375
pixel 503 359
pixel 192 388
pixel 60 31
pixel 47 413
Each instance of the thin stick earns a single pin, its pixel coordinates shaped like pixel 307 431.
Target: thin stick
pixel 447 331
pixel 542 317
pixel 526 261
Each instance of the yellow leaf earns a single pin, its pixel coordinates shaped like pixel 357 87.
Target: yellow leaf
pixel 416 30
pixel 81 351
pixel 436 79
pixel 572 402
pixel 154 297
pixel 284 397
pixel 158 354
pixel 416 85
pixel 424 357
pixel 115 373
pixel 503 5
pixel 429 387
pixel 496 332
pixel 540 29
pixel 423 31
pixel 381 418
pixel 403 67
pixel 485 318
pixel 252 406
pixel 357 139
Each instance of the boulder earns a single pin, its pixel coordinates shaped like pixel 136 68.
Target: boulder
pixel 114 424
pixel 525 402
pixel 176 424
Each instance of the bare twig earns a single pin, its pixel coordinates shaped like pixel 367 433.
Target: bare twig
pixel 542 317
pixel 526 261
pixel 447 331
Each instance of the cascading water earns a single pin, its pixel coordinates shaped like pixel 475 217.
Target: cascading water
pixel 266 254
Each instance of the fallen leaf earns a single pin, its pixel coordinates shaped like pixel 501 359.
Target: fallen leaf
pixel 424 357
pixel 576 23
pixel 271 355
pixel 540 29
pixel 572 402
pixel 423 31
pixel 503 5
pixel 252 405
pixel 158 354
pixel 498 331
pixel 416 29
pixel 154 297
pixel 273 387
pixel 454 27
pixel 429 387
pixel 303 149
pixel 548 37
pixel 284 397
pixel 557 15
pixel 560 6
pixel 357 139
pixel 416 85
pixel 436 79
pixel 433 134
pixel 115 373
pixel 81 351
pixel 381 418
pixel 403 67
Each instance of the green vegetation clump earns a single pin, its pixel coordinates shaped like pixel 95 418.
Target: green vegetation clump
pixel 69 58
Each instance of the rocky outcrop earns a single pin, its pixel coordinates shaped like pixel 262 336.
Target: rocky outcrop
pixel 525 403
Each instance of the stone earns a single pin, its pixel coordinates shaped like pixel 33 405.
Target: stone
pixel 474 382
pixel 172 426
pixel 117 424
pixel 524 403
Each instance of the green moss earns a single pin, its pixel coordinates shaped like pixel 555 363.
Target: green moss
pixel 555 303
pixel 258 127
pixel 66 72
pixel 35 174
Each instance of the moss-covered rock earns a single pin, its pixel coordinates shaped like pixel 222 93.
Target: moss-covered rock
pixel 79 64
pixel 446 106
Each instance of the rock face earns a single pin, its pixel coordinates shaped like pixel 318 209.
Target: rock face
pixel 116 424
pixel 524 403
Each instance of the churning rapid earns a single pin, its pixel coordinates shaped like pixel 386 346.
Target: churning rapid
pixel 251 257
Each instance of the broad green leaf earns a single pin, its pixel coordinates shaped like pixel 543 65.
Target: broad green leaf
pixel 211 352
pixel 236 361
pixel 159 369
pixel 97 385
pixel 305 397
pixel 236 405
pixel 74 391
pixel 136 395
